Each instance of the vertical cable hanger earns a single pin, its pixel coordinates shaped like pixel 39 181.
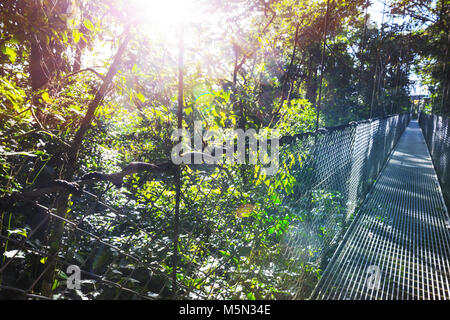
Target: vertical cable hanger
pixel 177 177
pixel 377 58
pixel 404 49
pixel 397 67
pixel 361 50
pixel 322 64
pixel 382 80
pixel 444 82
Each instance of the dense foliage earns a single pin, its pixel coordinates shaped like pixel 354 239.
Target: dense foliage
pixel 92 86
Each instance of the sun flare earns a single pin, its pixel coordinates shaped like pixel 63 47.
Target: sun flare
pixel 169 12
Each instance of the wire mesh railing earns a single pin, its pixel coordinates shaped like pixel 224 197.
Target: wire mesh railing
pixel 346 162
pixel 398 245
pixel 238 234
pixel 436 131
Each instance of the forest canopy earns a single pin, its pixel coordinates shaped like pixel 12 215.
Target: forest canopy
pixel 91 92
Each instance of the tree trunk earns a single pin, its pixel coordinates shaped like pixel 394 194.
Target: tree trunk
pixel 70 168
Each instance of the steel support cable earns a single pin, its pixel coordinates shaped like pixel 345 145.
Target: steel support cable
pixel 325 31
pixel 77 224
pixel 382 79
pixel 426 260
pixel 210 219
pixel 119 214
pixel 376 77
pixel 366 19
pixel 437 137
pixel 353 224
pixel 338 173
pixel 89 212
pixel 98 239
pixel 177 177
pixel 370 246
pixel 367 262
pixel 125 244
pixel 63 262
pixel 379 144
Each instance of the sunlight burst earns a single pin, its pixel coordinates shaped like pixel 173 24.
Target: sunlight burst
pixel 169 12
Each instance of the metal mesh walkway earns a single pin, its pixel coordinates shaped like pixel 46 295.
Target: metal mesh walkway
pixel 398 246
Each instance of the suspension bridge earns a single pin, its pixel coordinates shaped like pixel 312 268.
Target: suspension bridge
pixel 372 223
pixel 398 246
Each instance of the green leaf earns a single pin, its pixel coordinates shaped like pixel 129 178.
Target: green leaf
pixel 140 97
pixel 224 253
pixel 10 53
pixel 62 274
pixel 22 232
pixel 275 199
pixel 76 35
pixel 48 133
pixel 46 97
pixel 88 24
pixel 55 284
pixel 251 296
pixel 40 153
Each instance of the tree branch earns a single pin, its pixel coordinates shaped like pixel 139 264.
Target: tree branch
pixel 76 187
pixel 89 116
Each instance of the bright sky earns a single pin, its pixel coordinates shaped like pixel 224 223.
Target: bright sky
pixel 376 11
pixel 167 15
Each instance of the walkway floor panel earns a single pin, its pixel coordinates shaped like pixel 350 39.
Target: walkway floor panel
pixel 398 247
